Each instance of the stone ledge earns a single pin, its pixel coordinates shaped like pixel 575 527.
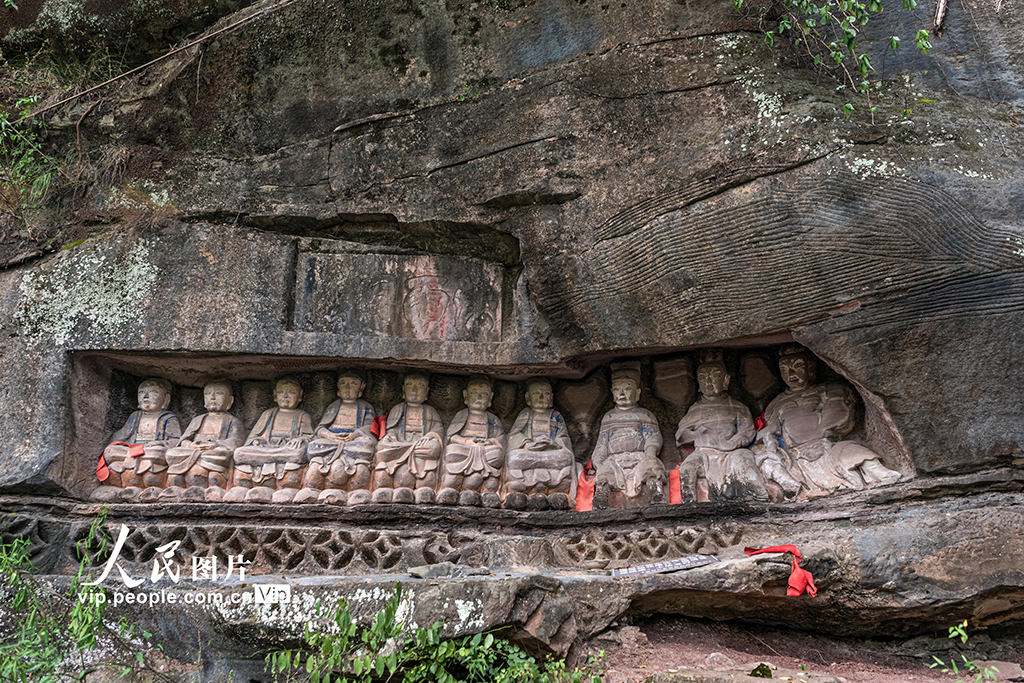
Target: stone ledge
pixel 837 506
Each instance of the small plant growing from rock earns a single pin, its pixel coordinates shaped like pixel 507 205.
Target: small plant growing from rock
pixel 968 667
pixel 57 633
pixel 386 650
pixel 26 171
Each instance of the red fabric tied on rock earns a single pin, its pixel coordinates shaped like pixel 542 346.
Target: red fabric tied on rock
pixel 799 579
pixel 134 451
pixel 585 488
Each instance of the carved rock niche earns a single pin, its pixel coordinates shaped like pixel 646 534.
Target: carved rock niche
pixel 576 401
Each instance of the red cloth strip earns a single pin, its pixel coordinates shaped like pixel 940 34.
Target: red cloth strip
pixel 585 489
pixel 675 493
pixel 379 427
pixel 799 579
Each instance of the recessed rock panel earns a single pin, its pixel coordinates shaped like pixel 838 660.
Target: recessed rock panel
pixel 417 297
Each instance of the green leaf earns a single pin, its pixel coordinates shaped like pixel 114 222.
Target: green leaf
pixel 864 65
pixel 848 110
pixel 925 47
pixel 894 42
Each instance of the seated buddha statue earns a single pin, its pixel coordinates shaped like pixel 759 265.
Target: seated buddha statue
pixel 341 454
pixel 409 453
pixel 540 461
pixel 136 456
pixel 804 433
pixel 268 467
pixel 475 455
pixel 202 457
pixel 721 467
pixel 628 471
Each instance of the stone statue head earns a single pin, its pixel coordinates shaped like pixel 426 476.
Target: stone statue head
pixel 796 365
pixel 218 396
pixel 539 395
pixel 288 393
pixel 350 385
pixel 625 388
pixel 415 388
pixel 478 393
pixel 154 395
pixel 712 376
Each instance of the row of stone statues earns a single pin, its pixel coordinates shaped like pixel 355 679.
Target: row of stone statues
pixel 353 456
pixel 799 450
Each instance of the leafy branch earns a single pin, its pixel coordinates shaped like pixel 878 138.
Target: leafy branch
pixel 827 30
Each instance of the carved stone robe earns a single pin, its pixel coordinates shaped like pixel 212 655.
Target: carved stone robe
pixel 398 446
pixel 323 452
pixel 231 435
pixel 549 467
pixel 266 453
pixel 466 459
pixel 118 458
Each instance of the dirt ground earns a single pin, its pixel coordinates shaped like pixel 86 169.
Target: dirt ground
pixel 668 645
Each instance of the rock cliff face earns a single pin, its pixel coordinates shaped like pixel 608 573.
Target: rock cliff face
pixel 596 181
